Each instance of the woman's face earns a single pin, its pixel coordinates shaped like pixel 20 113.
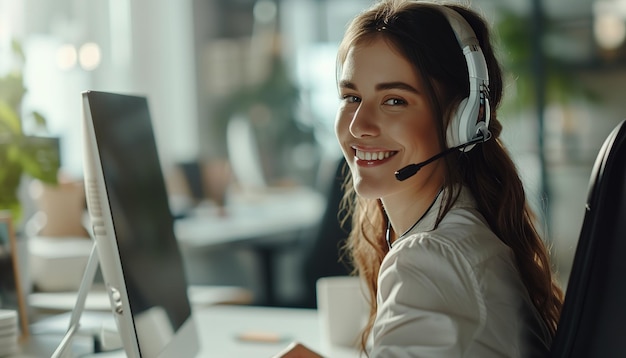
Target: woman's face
pixel 385 121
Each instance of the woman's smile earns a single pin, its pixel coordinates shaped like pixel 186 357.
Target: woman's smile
pixel 369 158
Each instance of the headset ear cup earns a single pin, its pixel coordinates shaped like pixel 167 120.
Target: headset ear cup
pixel 453 133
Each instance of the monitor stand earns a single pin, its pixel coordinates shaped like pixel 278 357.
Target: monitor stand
pixel 63 348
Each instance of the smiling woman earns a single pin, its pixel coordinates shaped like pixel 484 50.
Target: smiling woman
pixel 449 252
pixel 380 103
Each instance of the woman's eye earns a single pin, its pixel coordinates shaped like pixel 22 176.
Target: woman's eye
pixel 351 99
pixel 394 102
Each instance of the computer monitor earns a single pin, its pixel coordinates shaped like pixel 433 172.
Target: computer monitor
pixel 133 229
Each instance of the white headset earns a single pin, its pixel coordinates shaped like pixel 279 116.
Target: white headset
pixel 470 122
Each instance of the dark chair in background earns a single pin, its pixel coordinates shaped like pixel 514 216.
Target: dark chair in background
pixel 192 172
pixel 593 321
pixel 323 256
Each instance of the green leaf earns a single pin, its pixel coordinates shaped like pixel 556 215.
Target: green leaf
pixel 10 175
pixel 10 124
pixel 14 207
pixel 40 120
pixel 12 90
pixel 16 46
pixel 40 158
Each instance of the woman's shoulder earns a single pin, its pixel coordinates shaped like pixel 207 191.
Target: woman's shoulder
pixel 463 235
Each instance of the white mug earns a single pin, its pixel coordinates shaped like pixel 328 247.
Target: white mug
pixel 343 310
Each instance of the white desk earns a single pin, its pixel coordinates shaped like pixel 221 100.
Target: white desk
pixel 219 328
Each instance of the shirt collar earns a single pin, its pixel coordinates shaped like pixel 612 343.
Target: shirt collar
pixel 427 223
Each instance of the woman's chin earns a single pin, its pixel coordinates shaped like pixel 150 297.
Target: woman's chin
pixel 366 191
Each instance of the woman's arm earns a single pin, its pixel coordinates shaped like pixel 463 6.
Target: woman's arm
pixel 429 302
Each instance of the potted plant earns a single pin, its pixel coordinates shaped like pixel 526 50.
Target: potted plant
pixel 35 156
pixel 515 33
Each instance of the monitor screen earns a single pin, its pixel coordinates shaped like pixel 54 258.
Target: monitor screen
pixel 133 228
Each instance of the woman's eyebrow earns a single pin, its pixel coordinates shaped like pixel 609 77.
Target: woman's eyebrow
pixel 347 84
pixel 382 86
pixel 396 85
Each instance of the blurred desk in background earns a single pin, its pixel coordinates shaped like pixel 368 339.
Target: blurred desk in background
pixel 265 222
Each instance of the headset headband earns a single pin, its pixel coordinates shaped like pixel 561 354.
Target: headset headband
pixel 469 122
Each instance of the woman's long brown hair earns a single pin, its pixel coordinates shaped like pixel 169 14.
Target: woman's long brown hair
pixel 420 32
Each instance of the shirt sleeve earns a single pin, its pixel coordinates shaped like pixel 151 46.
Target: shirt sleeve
pixel 429 301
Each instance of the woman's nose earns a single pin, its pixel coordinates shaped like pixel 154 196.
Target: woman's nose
pixel 363 123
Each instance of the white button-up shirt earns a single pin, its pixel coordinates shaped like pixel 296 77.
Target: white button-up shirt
pixel 454 292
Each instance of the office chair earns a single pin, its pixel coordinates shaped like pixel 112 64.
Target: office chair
pixel 593 320
pixel 323 257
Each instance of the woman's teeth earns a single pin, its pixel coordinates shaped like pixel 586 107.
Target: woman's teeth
pixel 373 155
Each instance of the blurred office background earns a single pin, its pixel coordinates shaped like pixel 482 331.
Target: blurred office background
pixel 243 100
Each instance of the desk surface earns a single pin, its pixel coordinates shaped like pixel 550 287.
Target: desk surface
pixel 220 328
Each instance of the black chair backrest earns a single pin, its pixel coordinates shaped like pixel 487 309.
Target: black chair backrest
pixel 593 321
pixel 324 257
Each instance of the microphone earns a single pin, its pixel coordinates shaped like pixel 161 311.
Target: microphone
pixel 412 169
